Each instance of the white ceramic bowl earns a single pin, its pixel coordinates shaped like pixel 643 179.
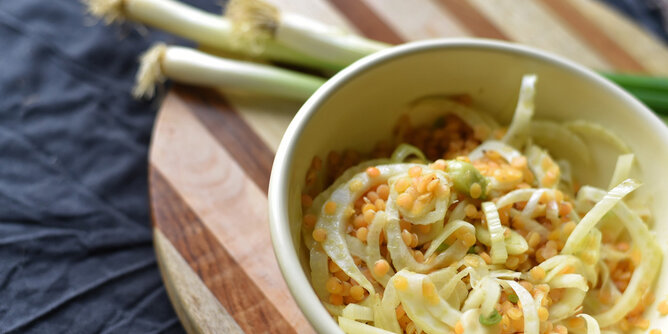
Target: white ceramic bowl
pixel 361 104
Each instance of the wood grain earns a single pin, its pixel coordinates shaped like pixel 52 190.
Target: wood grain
pixel 642 46
pixel 529 22
pixel 366 21
pixel 425 21
pixel 197 307
pixel 223 197
pixel 474 21
pixel 210 260
pixel 231 131
pixel 595 37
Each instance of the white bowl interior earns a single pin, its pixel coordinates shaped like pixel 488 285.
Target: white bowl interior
pixel 360 106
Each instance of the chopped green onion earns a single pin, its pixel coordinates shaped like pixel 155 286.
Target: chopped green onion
pixel 464 175
pixel 473 250
pixel 197 68
pixel 491 320
pixel 513 298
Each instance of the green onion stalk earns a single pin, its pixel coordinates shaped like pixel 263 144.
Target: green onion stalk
pixel 258 30
pixel 194 67
pixel 209 30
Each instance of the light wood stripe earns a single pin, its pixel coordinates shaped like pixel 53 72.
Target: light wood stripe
pixel 227 202
pixel 219 271
pixel 651 52
pixel 268 117
pixel 472 19
pixel 225 124
pixel 319 10
pixel 425 21
pixel 596 38
pixel 198 309
pixel 366 21
pixel 531 23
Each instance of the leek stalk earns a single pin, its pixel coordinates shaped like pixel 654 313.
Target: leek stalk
pixel 191 66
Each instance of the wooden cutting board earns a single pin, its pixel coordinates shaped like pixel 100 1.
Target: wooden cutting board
pixel 211 153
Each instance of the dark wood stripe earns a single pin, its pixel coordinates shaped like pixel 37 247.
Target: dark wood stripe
pixel 474 21
pixel 231 131
pixel 366 21
pixel 210 260
pixel 591 34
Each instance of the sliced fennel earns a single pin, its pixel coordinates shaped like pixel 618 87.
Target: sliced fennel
pixel 529 223
pixel 440 105
pixel 559 140
pixel 498 251
pixel 542 165
pixel 589 128
pixel 612 198
pixel 373 247
pixel 319 272
pixel 622 169
pixel 423 305
pixel 592 325
pixel 385 316
pixel 518 131
pixel 356 247
pixel 644 274
pixel 402 256
pixel 515 243
pixel 449 229
pixel 529 308
pixel 434 210
pixel 492 294
pixel 354 327
pixel 335 224
pixel 519 195
pixel 508 153
pixel 357 312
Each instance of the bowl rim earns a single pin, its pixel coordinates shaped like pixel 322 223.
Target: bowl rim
pixel 284 249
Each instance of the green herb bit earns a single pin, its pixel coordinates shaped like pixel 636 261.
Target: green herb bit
pixel 473 250
pixel 491 320
pixel 442 247
pixel 464 175
pixel 439 122
pixel 513 298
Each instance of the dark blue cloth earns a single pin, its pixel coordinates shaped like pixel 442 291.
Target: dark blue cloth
pixel 646 13
pixel 75 239
pixel 76 252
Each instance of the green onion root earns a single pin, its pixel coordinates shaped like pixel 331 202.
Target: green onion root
pixel 258 22
pixel 194 67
